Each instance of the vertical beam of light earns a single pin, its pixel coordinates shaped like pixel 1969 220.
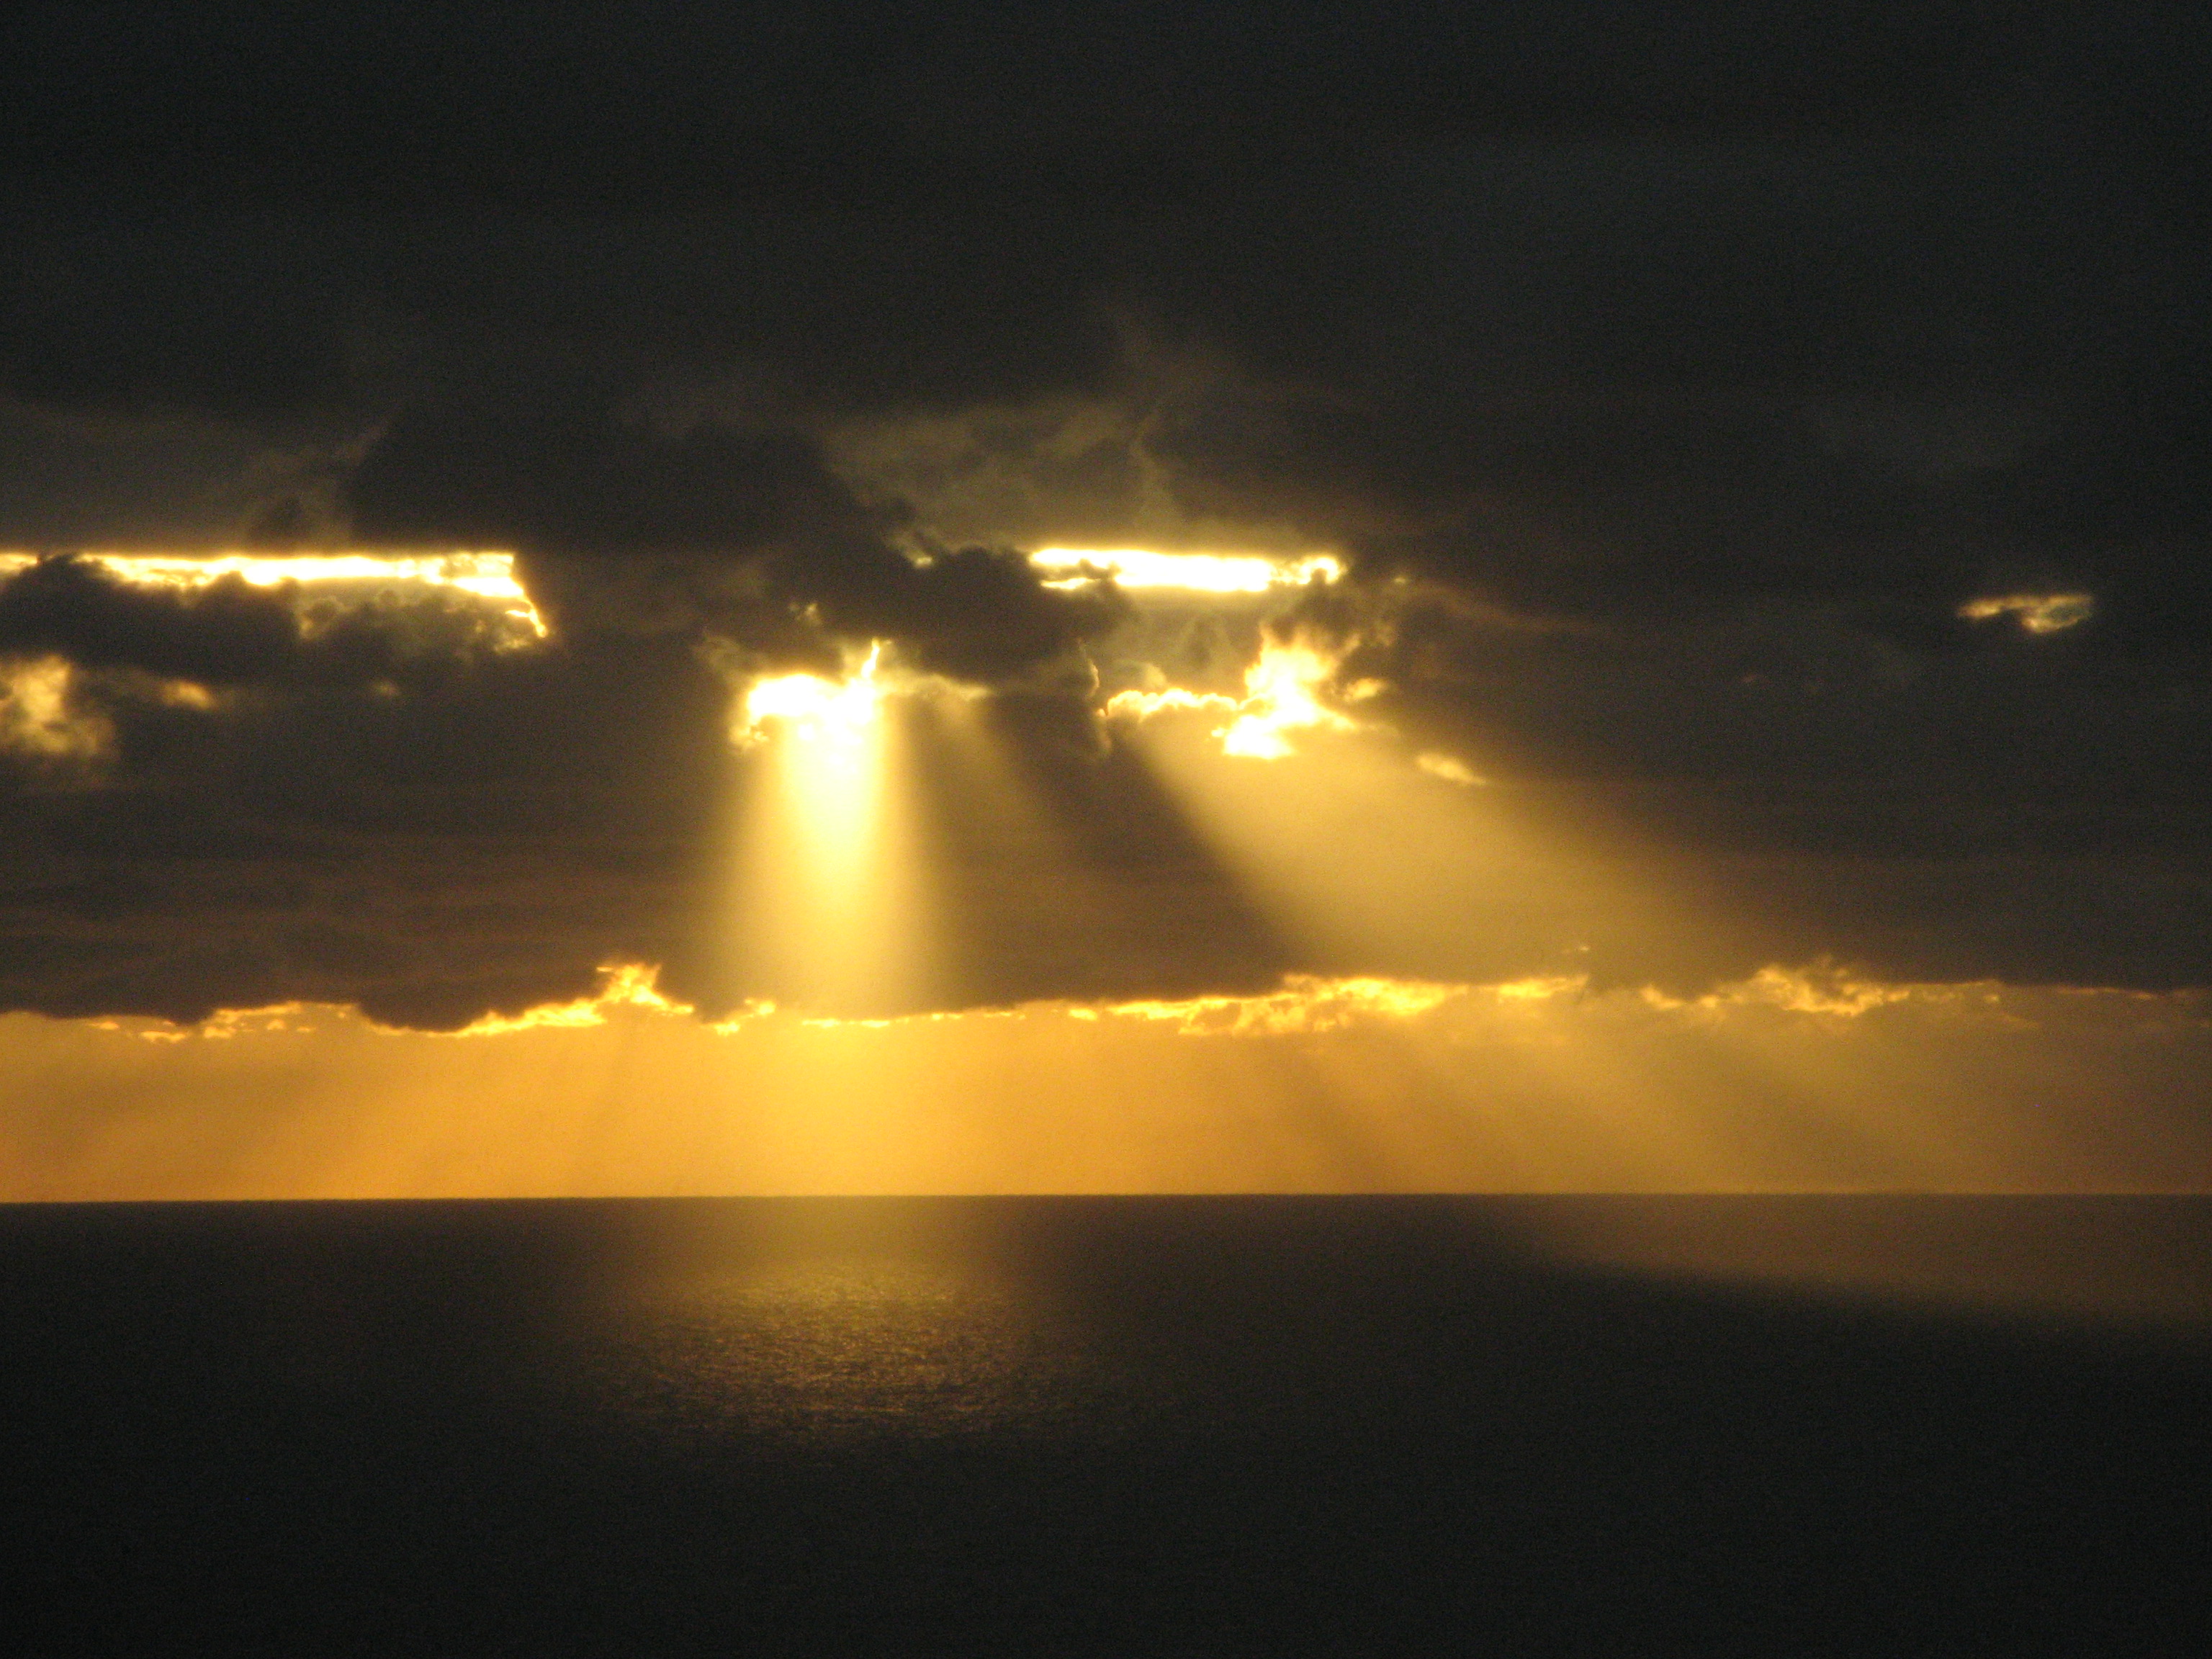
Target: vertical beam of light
pixel 832 918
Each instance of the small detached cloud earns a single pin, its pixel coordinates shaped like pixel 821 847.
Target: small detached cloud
pixel 42 722
pixel 2037 613
pixel 1450 768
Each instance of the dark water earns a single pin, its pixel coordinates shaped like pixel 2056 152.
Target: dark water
pixel 1115 1426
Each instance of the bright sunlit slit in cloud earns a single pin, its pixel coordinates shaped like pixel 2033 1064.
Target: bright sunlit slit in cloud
pixel 1820 988
pixel 2038 613
pixel 1137 705
pixel 487 576
pixel 1138 569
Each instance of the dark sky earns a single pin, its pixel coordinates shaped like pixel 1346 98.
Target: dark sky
pixel 1691 365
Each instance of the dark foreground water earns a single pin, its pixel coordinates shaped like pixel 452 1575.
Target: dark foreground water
pixel 1207 1427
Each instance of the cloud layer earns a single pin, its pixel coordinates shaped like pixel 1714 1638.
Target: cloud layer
pixel 1673 389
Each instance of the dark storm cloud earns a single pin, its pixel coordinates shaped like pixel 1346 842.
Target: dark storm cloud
pixel 231 634
pixel 656 102
pixel 486 842
pixel 226 632
pixel 1602 380
pixel 746 534
pixel 474 838
pixel 1696 364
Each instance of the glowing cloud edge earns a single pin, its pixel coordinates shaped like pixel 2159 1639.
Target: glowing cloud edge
pixel 1299 1005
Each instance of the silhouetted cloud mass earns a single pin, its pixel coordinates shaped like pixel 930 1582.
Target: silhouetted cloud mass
pixel 1670 380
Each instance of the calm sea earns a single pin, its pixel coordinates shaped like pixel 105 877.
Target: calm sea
pixel 1128 1426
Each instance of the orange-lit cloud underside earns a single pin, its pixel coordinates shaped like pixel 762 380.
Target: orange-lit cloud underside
pixel 1786 1081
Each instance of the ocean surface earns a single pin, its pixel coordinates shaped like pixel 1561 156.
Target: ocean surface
pixel 1125 1426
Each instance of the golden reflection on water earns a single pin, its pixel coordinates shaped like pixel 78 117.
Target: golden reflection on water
pixel 829 1326
pixel 830 1352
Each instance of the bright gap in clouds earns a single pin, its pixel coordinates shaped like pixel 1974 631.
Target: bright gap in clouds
pixel 1141 570
pixel 486 576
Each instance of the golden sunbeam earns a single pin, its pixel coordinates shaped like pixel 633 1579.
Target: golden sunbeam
pixel 832 913
pixel 1367 863
pixel 1376 858
pixel 1374 864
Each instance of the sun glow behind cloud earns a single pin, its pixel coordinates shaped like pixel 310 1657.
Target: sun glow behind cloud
pixel 1291 687
pixel 813 709
pixel 1283 695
